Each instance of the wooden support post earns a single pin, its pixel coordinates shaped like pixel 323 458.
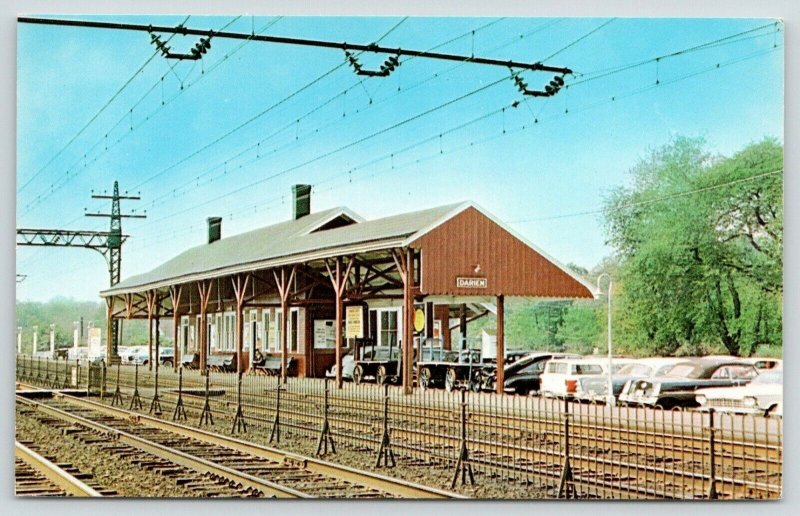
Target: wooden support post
pixel 338 277
pixel 462 327
pixel 175 297
pixel 501 344
pixel 408 330
pixel 283 283
pixel 111 351
pixel 204 290
pixel 151 298
pixel 240 282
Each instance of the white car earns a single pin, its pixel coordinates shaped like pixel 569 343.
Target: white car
pixel 564 376
pixel 765 364
pixel 763 395
pixel 134 355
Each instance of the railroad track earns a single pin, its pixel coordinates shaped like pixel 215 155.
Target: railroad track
pixel 264 471
pixel 37 475
pixel 629 458
pixel 638 459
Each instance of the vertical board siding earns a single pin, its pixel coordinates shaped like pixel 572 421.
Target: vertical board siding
pixel 510 267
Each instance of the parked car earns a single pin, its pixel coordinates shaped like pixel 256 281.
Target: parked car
pixel 135 354
pixel 676 388
pixel 348 365
pixel 763 395
pixel 763 364
pixel 562 377
pixel 523 375
pixel 597 388
pixel 166 356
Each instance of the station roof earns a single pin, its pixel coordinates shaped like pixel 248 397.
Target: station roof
pixel 298 241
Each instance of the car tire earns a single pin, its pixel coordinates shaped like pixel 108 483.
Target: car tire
pixel 358 374
pixel 425 379
pixel 450 380
pixel 380 375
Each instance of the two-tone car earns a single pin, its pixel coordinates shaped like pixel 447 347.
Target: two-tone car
pixel 762 396
pixel 523 376
pixel 676 388
pixel 597 388
pixel 563 377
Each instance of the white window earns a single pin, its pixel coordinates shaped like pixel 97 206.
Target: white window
pixel 229 335
pixel 267 338
pixel 390 326
pixel 294 330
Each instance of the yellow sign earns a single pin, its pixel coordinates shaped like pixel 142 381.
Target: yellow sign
pixel 354 322
pixel 419 320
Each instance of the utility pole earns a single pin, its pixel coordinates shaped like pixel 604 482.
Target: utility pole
pixel 114 247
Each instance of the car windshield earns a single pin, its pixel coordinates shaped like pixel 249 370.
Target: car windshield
pixel 685 371
pixel 771 377
pixel 635 370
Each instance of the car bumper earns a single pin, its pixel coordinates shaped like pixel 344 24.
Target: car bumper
pixel 638 400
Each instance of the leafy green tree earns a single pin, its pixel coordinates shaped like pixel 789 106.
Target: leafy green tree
pixel 701 240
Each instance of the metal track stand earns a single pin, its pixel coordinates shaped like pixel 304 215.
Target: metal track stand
pixel 136 400
pixel 239 423
pixel 385 452
pixel 180 412
pixel 463 465
pixel 276 424
pixel 66 375
pixel 566 485
pixel 55 384
pixel 155 404
pixel 116 399
pixel 325 436
pixel 206 417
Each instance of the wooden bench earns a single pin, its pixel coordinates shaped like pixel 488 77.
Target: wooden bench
pixel 223 363
pixel 271 366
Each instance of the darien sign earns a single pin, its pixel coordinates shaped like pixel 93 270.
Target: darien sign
pixel 471 283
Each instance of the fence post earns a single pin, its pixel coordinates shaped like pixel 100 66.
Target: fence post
pixel 239 424
pixel 463 465
pixel 385 452
pixel 103 379
pixel 325 436
pixel 180 412
pixel 117 398
pixel 55 383
pixel 206 417
pixel 155 404
pixel 712 488
pixel 66 373
pixel 276 425
pixel 566 488
pixel 136 401
pixel 46 370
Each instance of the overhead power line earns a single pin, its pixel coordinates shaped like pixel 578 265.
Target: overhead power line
pixel 343 46
pixel 654 200
pixel 96 115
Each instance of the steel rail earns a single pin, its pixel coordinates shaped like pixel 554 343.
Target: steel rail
pixel 53 473
pixel 384 483
pixel 373 48
pixel 269 488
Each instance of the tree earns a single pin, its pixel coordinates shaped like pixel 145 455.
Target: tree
pixel 701 241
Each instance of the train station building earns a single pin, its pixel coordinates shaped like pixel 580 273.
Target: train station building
pixel 288 289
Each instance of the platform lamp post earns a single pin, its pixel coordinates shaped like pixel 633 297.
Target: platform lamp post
pixel 610 400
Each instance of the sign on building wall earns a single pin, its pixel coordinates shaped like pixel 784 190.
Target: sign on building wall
pixel 471 282
pixel 324 334
pixel 354 322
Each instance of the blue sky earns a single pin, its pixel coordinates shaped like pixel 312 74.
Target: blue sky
pixel 528 165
